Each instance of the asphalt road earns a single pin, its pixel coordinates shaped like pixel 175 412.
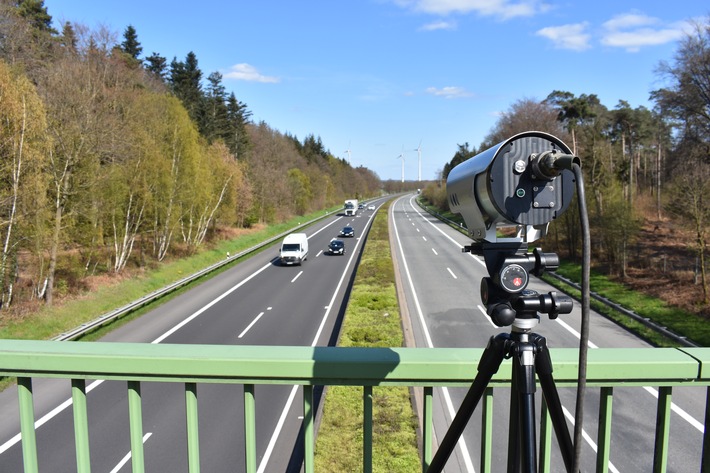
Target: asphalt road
pixel 441 286
pixel 256 302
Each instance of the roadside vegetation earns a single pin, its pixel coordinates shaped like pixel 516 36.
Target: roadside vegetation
pixel 372 320
pixel 647 178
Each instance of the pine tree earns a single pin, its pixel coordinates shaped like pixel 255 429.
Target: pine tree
pixel 158 65
pixel 239 117
pixel 130 44
pixel 185 80
pixel 36 13
pixel 216 121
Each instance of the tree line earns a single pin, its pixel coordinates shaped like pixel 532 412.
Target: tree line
pixel 659 155
pixel 110 160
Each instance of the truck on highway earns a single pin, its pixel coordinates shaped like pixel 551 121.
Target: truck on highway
pixel 294 249
pixel 350 207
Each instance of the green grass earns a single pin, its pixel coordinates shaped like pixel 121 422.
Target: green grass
pixel 371 320
pixel 679 321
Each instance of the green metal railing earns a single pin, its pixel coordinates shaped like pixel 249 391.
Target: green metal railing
pixel 323 366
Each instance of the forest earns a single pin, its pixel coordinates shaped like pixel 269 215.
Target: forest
pixel 109 161
pixel 646 175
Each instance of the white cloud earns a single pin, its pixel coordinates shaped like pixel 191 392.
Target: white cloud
pixel 632 31
pixel 439 25
pixel 504 9
pixel 449 92
pixel 573 36
pixel 248 73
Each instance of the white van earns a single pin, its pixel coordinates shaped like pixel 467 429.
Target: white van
pixel 294 249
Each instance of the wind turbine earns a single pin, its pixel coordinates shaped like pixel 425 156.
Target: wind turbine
pixel 401 156
pixel 419 153
pixel 418 149
pixel 348 152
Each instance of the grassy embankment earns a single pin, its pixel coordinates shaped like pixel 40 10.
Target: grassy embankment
pixel 371 320
pixel 65 315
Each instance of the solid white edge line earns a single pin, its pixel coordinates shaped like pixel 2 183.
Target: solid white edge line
pixel 447 398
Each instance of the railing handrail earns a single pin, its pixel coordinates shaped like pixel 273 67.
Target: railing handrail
pixel 137 363
pixel 333 365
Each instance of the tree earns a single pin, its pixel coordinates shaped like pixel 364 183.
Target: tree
pixel 216 119
pixel 573 111
pixel 36 13
pixel 525 115
pixel 238 116
pixel 130 44
pixel 158 65
pixel 185 79
pixel 22 149
pixel 687 101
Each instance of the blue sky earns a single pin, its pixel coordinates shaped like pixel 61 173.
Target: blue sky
pixel 379 77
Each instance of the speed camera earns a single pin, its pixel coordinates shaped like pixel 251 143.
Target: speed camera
pixel 517 184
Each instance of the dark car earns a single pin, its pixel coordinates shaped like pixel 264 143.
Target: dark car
pixel 336 247
pixel 347 232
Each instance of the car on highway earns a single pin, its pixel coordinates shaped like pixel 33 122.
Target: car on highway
pixel 371 207
pixel 347 232
pixel 336 247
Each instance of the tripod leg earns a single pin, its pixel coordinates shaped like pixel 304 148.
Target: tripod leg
pixel 543 367
pixel 490 361
pixel 522 442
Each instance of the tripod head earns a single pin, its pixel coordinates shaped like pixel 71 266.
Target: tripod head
pixel 504 292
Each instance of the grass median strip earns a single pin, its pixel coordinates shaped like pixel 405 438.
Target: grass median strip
pixel 371 320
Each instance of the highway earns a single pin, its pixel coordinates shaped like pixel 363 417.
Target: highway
pixel 441 286
pixel 259 302
pixel 255 302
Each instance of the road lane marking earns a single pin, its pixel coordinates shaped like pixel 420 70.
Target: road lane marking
pixel 451 273
pixel 125 459
pixel 437 254
pixel 203 309
pixel 250 325
pixel 294 279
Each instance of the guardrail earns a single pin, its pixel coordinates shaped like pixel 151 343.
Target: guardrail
pixel 308 367
pixel 109 317
pixel 645 321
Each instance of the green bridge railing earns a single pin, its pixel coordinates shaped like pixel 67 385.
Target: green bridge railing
pixel 324 366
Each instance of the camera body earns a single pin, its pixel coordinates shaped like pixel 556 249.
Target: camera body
pixel 515 183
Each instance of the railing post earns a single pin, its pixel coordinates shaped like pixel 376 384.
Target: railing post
pixel 705 460
pixel 135 420
pixel 81 425
pixel 663 424
pixel 193 436
pixel 249 428
pixel 606 396
pixel 27 425
pixel 367 429
pixel 487 430
pixel 428 427
pixel 308 434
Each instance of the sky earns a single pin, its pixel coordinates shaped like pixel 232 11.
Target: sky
pixel 394 84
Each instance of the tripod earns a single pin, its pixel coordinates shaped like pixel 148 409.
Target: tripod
pixel 530 356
